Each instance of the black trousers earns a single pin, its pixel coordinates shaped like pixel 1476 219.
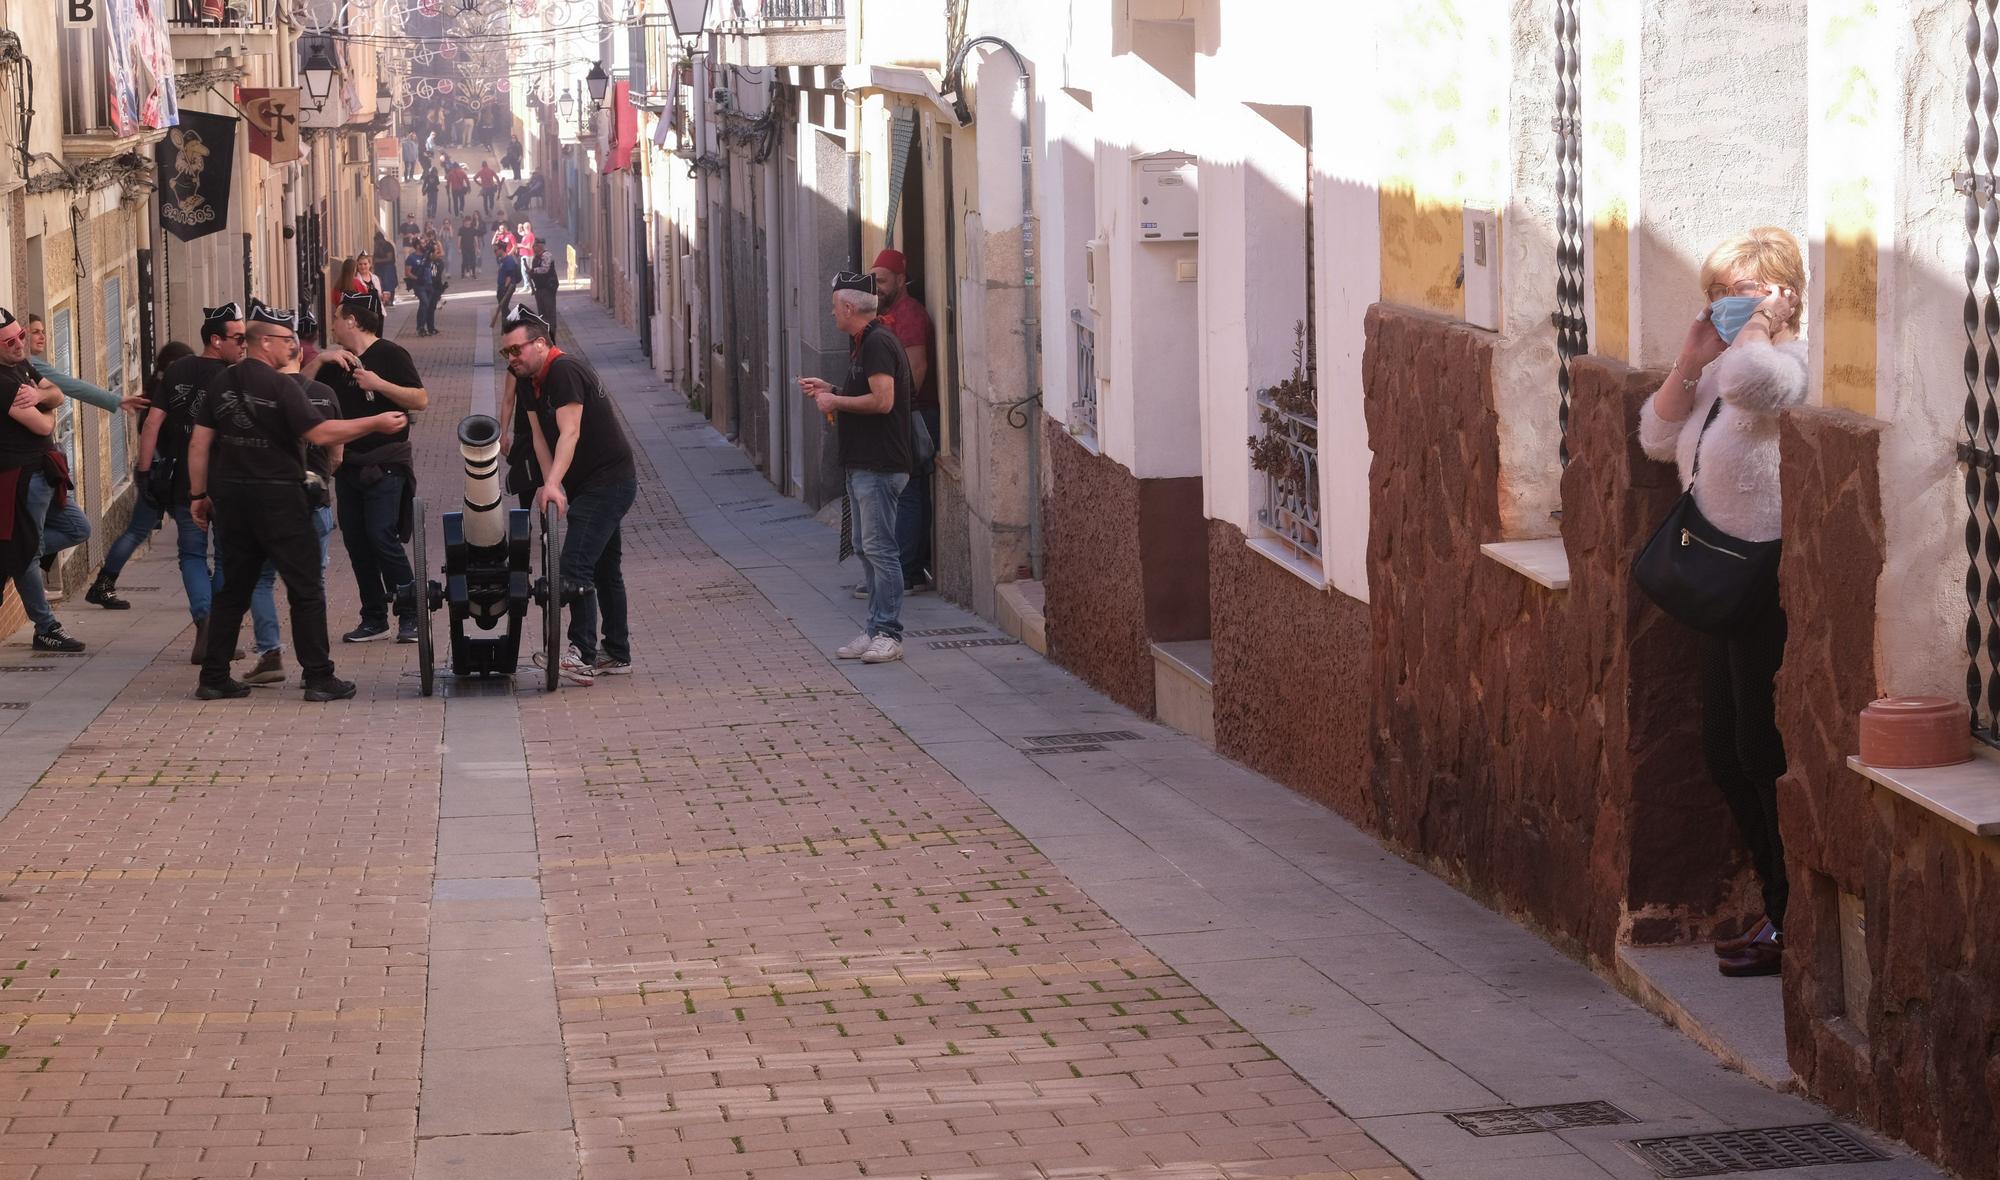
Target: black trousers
pixel 1741 744
pixel 545 307
pixel 256 523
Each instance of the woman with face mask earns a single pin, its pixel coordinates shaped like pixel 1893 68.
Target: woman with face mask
pixel 1741 363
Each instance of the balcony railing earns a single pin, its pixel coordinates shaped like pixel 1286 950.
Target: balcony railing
pixel 1289 459
pixel 1083 407
pixel 219 14
pixel 779 12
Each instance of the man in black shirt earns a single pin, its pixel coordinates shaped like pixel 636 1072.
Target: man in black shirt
pixel 588 474
pixel 369 374
pixel 873 410
pixel 254 425
pixel 36 480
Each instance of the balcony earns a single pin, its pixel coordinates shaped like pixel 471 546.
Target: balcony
pixel 1288 457
pixel 1083 404
pixel 203 30
pixel 785 33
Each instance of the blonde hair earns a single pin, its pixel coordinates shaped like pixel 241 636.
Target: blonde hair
pixel 1767 253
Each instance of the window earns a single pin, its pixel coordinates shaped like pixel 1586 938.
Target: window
pixel 62 355
pixel 86 68
pixel 114 373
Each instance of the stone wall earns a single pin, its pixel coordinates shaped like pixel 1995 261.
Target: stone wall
pixel 1530 743
pixel 1899 1027
pixel 1291 675
pixel 1096 609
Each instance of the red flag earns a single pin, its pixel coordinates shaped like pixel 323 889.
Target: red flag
pixel 624 127
pixel 273 116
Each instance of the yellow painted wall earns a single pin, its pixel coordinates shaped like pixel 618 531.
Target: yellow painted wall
pixel 1851 190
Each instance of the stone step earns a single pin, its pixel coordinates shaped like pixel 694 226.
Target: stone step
pixel 1741 1021
pixel 1184 687
pixel 1019 607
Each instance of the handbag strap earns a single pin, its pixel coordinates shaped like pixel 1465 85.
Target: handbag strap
pixel 1714 411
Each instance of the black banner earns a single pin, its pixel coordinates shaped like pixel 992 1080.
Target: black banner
pixel 194 162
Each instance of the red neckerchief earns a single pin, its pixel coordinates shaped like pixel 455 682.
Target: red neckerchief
pixel 554 352
pixel 854 349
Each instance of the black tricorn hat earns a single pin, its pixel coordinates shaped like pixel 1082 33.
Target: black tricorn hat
pixel 367 299
pixel 283 317
pixel 519 316
pixel 849 281
pixel 225 313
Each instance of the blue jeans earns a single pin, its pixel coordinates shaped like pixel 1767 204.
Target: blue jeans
pixel 873 495
pixel 264 600
pixel 369 514
pixel 593 556
pixel 197 577
pixel 145 518
pixel 913 516
pixel 60 529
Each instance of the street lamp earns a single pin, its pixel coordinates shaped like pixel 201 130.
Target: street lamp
pixel 319 71
pixel 599 82
pixel 690 19
pixel 566 105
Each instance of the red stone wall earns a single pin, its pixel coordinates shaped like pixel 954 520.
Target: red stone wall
pixel 1096 608
pixel 1921 1057
pixel 1530 743
pixel 1291 675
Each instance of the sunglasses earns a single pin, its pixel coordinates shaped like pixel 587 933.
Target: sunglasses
pixel 513 350
pixel 237 337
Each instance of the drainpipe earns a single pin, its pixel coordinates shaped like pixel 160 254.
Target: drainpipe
pixel 853 101
pixel 1030 310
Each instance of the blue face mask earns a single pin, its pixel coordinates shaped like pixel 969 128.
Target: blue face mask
pixel 1729 313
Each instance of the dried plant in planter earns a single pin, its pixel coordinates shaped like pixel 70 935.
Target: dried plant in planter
pixel 1289 413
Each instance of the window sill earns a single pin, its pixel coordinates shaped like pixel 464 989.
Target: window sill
pixel 1542 561
pixel 1967 794
pixel 1087 439
pixel 1286 557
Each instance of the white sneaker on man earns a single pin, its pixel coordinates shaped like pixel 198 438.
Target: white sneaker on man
pixel 860 590
pixel 575 668
pixel 856 647
pixel 885 649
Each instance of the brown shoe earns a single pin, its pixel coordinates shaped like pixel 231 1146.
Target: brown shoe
pixel 1736 946
pixel 270 669
pixel 1759 958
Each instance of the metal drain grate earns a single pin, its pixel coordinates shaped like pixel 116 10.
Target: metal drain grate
pixel 1087 748
pixel 138 587
pixel 13 704
pixel 783 519
pixel 1725 1153
pixel 948 631
pixel 737 471
pixel 27 668
pixel 690 426
pixel 940 644
pixel 1527 1120
pixel 1074 739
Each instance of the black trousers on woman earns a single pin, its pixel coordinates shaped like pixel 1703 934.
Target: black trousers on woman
pixel 1741 743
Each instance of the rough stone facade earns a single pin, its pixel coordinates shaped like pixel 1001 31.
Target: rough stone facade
pixel 1899 1027
pixel 1096 609
pixel 1529 743
pixel 1291 675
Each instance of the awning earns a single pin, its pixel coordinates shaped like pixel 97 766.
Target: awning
pixel 910 80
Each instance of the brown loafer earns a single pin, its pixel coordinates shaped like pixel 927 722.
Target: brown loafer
pixel 1736 946
pixel 1761 958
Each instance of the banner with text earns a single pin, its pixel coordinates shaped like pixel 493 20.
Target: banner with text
pixel 194 162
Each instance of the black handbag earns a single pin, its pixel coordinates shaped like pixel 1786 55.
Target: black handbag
pixel 1706 578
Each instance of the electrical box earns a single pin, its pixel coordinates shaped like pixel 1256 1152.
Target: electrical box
pixel 1097 275
pixel 1480 265
pixel 1166 202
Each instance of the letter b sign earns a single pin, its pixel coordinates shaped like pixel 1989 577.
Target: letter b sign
pixel 79 12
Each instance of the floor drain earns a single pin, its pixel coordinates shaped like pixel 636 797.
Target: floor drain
pixel 948 631
pixel 1077 739
pixel 737 471
pixel 1087 748
pixel 1723 1153
pixel 945 644
pixel 27 668
pixel 13 704
pixel 1527 1120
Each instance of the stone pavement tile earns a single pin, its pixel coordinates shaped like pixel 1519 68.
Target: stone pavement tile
pixel 1378 1072
pixel 540 1155
pixel 1424 1141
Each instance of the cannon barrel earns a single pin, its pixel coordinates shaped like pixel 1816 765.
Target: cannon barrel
pixel 485 519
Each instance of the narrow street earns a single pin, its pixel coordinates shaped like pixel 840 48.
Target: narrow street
pixel 748 912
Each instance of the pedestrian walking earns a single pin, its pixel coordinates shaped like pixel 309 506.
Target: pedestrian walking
pixel 590 478
pixel 459 183
pixel 489 184
pixel 469 245
pixel 376 480
pixel 409 155
pixel 872 418
pixel 911 323
pixel 147 508
pixel 384 255
pixel 542 279
pixel 511 161
pixel 1741 363
pixel 430 188
pixel 41 519
pixel 507 278
pixel 248 454
pixel 421 275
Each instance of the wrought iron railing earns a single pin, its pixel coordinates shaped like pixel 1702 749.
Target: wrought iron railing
pixel 1083 406
pixel 1291 478
pixel 1979 450
pixel 801 11
pixel 219 14
pixel 1572 329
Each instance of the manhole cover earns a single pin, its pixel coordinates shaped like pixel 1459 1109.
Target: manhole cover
pixel 1078 739
pixel 1042 751
pixel 1527 1120
pixel 940 644
pixel 13 704
pixel 948 631
pixel 1725 1152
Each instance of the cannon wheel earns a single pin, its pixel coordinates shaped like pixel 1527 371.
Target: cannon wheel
pixel 421 600
pixel 552 603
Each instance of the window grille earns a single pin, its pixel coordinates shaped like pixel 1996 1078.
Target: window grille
pixel 114 372
pixel 62 354
pixel 86 67
pixel 1980 449
pixel 1572 330
pixel 1291 477
pixel 801 11
pixel 1083 407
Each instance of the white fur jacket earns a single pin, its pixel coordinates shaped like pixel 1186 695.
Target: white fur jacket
pixel 1737 489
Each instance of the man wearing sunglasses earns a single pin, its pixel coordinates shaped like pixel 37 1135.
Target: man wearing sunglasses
pixel 247 468
pixel 33 481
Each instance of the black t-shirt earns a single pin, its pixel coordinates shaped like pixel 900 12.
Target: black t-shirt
pixel 20 446
pixel 327 404
pixel 260 417
pixel 187 382
pixel 877 442
pixel 602 453
pixel 392 363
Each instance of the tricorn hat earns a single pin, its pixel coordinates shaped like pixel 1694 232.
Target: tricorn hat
pixel 225 313
pixel 363 299
pixel 283 317
pixel 519 316
pixel 848 281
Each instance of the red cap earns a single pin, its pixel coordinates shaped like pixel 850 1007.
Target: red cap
pixel 891 261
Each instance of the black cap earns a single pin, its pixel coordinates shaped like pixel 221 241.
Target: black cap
pixel 519 316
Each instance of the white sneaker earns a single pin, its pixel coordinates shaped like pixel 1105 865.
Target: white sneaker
pixel 860 590
pixel 575 668
pixel 883 650
pixel 856 647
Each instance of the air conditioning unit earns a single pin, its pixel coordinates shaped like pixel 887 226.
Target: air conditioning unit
pixel 1097 275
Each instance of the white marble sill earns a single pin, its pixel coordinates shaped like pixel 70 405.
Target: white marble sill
pixel 1283 554
pixel 1967 794
pixel 1542 561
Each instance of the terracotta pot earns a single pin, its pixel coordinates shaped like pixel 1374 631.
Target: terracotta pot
pixel 1908 732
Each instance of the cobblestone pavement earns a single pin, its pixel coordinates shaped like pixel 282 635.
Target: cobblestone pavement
pixel 746 926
